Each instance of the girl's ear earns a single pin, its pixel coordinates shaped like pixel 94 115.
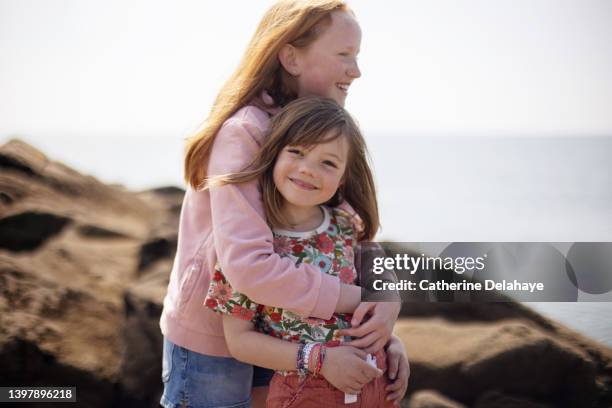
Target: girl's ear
pixel 288 59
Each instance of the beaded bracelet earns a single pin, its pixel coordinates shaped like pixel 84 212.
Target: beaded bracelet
pixel 322 351
pixel 303 358
pixel 310 358
pixel 299 364
pixel 314 358
pixel 307 352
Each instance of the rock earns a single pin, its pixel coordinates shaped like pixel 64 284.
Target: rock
pixel 69 250
pixel 172 192
pixel 517 357
pixel 140 372
pixel 18 156
pixel 530 362
pixel 28 365
pixel 495 399
pixel 431 399
pixel 29 230
pixel 92 231
pixel 54 334
pixel 156 249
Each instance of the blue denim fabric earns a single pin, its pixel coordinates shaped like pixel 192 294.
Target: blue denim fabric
pixel 196 380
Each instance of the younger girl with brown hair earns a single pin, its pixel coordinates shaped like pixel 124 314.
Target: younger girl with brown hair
pixel 313 159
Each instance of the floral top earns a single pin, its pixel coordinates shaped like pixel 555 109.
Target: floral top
pixel 331 247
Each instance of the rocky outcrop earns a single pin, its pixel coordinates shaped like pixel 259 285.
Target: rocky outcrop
pixel 80 282
pixel 84 267
pixel 515 358
pixel 431 399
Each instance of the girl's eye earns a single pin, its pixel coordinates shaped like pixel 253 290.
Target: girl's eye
pixel 330 163
pixel 344 54
pixel 294 151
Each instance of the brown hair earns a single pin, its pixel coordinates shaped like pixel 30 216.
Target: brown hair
pixel 295 22
pixel 308 122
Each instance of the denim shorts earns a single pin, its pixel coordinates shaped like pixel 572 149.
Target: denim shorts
pixel 196 380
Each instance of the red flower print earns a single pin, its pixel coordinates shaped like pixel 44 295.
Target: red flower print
pixel 325 244
pixel 331 321
pixel 282 245
pixel 348 241
pixel 242 312
pixel 218 276
pixel 346 275
pixel 221 292
pixel 332 343
pixel 297 249
pixel 313 321
pixel 275 317
pixel 212 303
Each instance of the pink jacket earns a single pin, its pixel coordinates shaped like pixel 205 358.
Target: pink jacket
pixel 227 224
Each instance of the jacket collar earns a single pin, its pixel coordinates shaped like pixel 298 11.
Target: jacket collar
pixel 265 102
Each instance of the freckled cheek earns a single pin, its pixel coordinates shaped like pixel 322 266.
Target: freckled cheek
pixel 321 78
pixel 316 87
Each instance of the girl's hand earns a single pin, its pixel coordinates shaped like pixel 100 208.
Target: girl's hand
pixel 346 369
pixel 377 330
pixel 398 370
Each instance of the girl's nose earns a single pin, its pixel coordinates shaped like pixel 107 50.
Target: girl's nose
pixel 306 169
pixel 354 71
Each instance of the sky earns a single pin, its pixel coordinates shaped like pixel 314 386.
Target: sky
pixel 103 69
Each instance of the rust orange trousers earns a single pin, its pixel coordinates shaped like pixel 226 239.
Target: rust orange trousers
pixel 290 392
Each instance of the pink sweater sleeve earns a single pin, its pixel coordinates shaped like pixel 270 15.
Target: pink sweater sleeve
pixel 243 239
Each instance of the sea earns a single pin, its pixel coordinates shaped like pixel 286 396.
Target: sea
pixel 439 188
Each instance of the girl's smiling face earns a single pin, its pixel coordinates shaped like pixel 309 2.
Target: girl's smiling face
pixel 307 177
pixel 329 65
